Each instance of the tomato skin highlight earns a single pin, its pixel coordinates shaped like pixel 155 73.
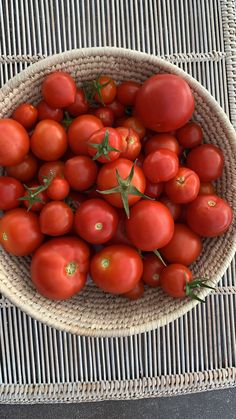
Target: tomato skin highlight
pixel 184 187
pixel 14 142
pixel 190 135
pixel 131 143
pixel 154 190
pixel 58 189
pixel 173 280
pixel 207 161
pixel 41 141
pixel 10 192
pixel 59 89
pixel 26 114
pixel 87 169
pixel 161 165
pixel 79 132
pixel 51 169
pixel 59 267
pixel 56 218
pixel 152 268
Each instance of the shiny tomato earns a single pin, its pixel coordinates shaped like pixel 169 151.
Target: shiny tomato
pixel 58 189
pixel 48 141
pixel 56 218
pixel 51 169
pixel 14 142
pixel 105 90
pixel 127 91
pixel 41 197
pixel 131 143
pixel 47 112
pixel 190 135
pixel 87 170
pixel 117 108
pixel 184 247
pixel 184 187
pixel 206 188
pixel 10 192
pixel 154 190
pixel 174 278
pixel 209 215
pixel 134 123
pixel 59 89
pixel 59 267
pixel 79 132
pixel 26 114
pixel 106 115
pixel 162 141
pixel 110 274
pixel 136 292
pixel 105 145
pixel 96 221
pixel 175 209
pixel 152 268
pixel 150 225
pixel 24 171
pixel 161 165
pixel 20 234
pixel 80 105
pixel 164 102
pixel 120 235
pixel 207 161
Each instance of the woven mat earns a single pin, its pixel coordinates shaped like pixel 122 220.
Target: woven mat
pixel 198 351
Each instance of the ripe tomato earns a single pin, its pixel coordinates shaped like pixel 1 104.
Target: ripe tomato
pixel 136 292
pixel 162 141
pixel 184 187
pixel 59 267
pixel 120 235
pixel 131 143
pixel 56 218
pixel 154 190
pixel 75 199
pixel 150 225
pixel 79 132
pixel 26 114
pixel 42 198
pixel 190 135
pixel 164 102
pixel 59 89
pixel 10 192
pixel 106 115
pixel 80 104
pixel 96 221
pixel 14 142
pixel 47 112
pixel 87 170
pixel 127 91
pixel 161 165
pixel 117 108
pixel 174 278
pixel 184 247
pixel 51 169
pixel 48 141
pixel 110 274
pixel 105 90
pixel 152 268
pixel 209 215
pixel 206 188
pixel 175 209
pixel 20 234
pixel 105 145
pixel 24 171
pixel 134 123
pixel 207 161
pixel 58 189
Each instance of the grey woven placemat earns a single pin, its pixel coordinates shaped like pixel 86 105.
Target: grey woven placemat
pixel 198 351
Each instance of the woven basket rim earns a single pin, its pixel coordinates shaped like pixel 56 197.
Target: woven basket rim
pixel 197 87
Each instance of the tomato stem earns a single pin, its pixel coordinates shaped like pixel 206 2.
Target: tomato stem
pixel 196 284
pixel 157 253
pixel 33 192
pixel 105 263
pixel 71 268
pixel 4 236
pixel 67 120
pixel 104 148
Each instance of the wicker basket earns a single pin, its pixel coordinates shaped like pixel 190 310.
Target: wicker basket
pixel 93 312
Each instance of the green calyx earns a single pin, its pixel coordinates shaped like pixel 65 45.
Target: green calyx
pixel 157 253
pixel 4 236
pixel 125 188
pixel 196 284
pixel 67 120
pixel 33 192
pixel 92 87
pixel 71 268
pixel 104 148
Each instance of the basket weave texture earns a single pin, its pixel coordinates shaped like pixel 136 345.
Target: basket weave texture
pixel 92 312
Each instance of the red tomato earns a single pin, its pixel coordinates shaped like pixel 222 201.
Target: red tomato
pixel 26 114
pixel 87 170
pixel 41 141
pixel 42 196
pixel 105 145
pixel 206 188
pixel 136 292
pixel 150 225
pixel 184 187
pixel 106 115
pixel 175 209
pixel 190 135
pixel 59 89
pixel 105 90
pixel 117 108
pixel 174 278
pixel 184 247
pixel 120 235
pixel 161 165
pixel 14 142
pixel 162 141
pixel 96 221
pixel 207 161
pixel 209 215
pixel 80 106
pixel 131 142
pixel 10 192
pixel 59 267
pixel 79 132
pixel 154 190
pixel 164 102
pixel 75 199
pixel 58 189
pixel 47 112
pixel 136 125
pixel 56 218
pixel 51 169
pixel 24 171
pixel 127 91
pixel 110 274
pixel 152 268
pixel 119 122
pixel 20 234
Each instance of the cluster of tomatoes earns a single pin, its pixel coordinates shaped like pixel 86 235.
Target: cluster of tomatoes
pixel 111 180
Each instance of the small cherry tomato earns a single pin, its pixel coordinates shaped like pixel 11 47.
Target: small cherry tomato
pixel 190 135
pixel 161 165
pixel 175 209
pixel 174 278
pixel 24 171
pixel 136 292
pixel 206 188
pixel 131 142
pixel 58 189
pixel 80 105
pixel 134 123
pixel 75 199
pixel 59 89
pixel 51 169
pixel 152 268
pixel 56 218
pixel 49 141
pixel 105 145
pixel 14 142
pixel 26 114
pixel 79 132
pixel 10 192
pixel 120 235
pixel 105 90
pixel 184 187
pixel 154 190
pixel 41 197
pixel 159 141
pixel 47 112
pixel 117 108
pixel 126 92
pixel 207 161
pixel 87 170
pixel 106 115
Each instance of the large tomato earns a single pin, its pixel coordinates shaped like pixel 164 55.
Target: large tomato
pixel 56 218
pixel 26 114
pixel 59 89
pixel 14 142
pixel 87 170
pixel 49 141
pixel 19 232
pixel 164 102
pixel 10 192
pixel 184 187
pixel 59 267
pixel 24 171
pixel 79 132
pixel 207 161
pixel 113 276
